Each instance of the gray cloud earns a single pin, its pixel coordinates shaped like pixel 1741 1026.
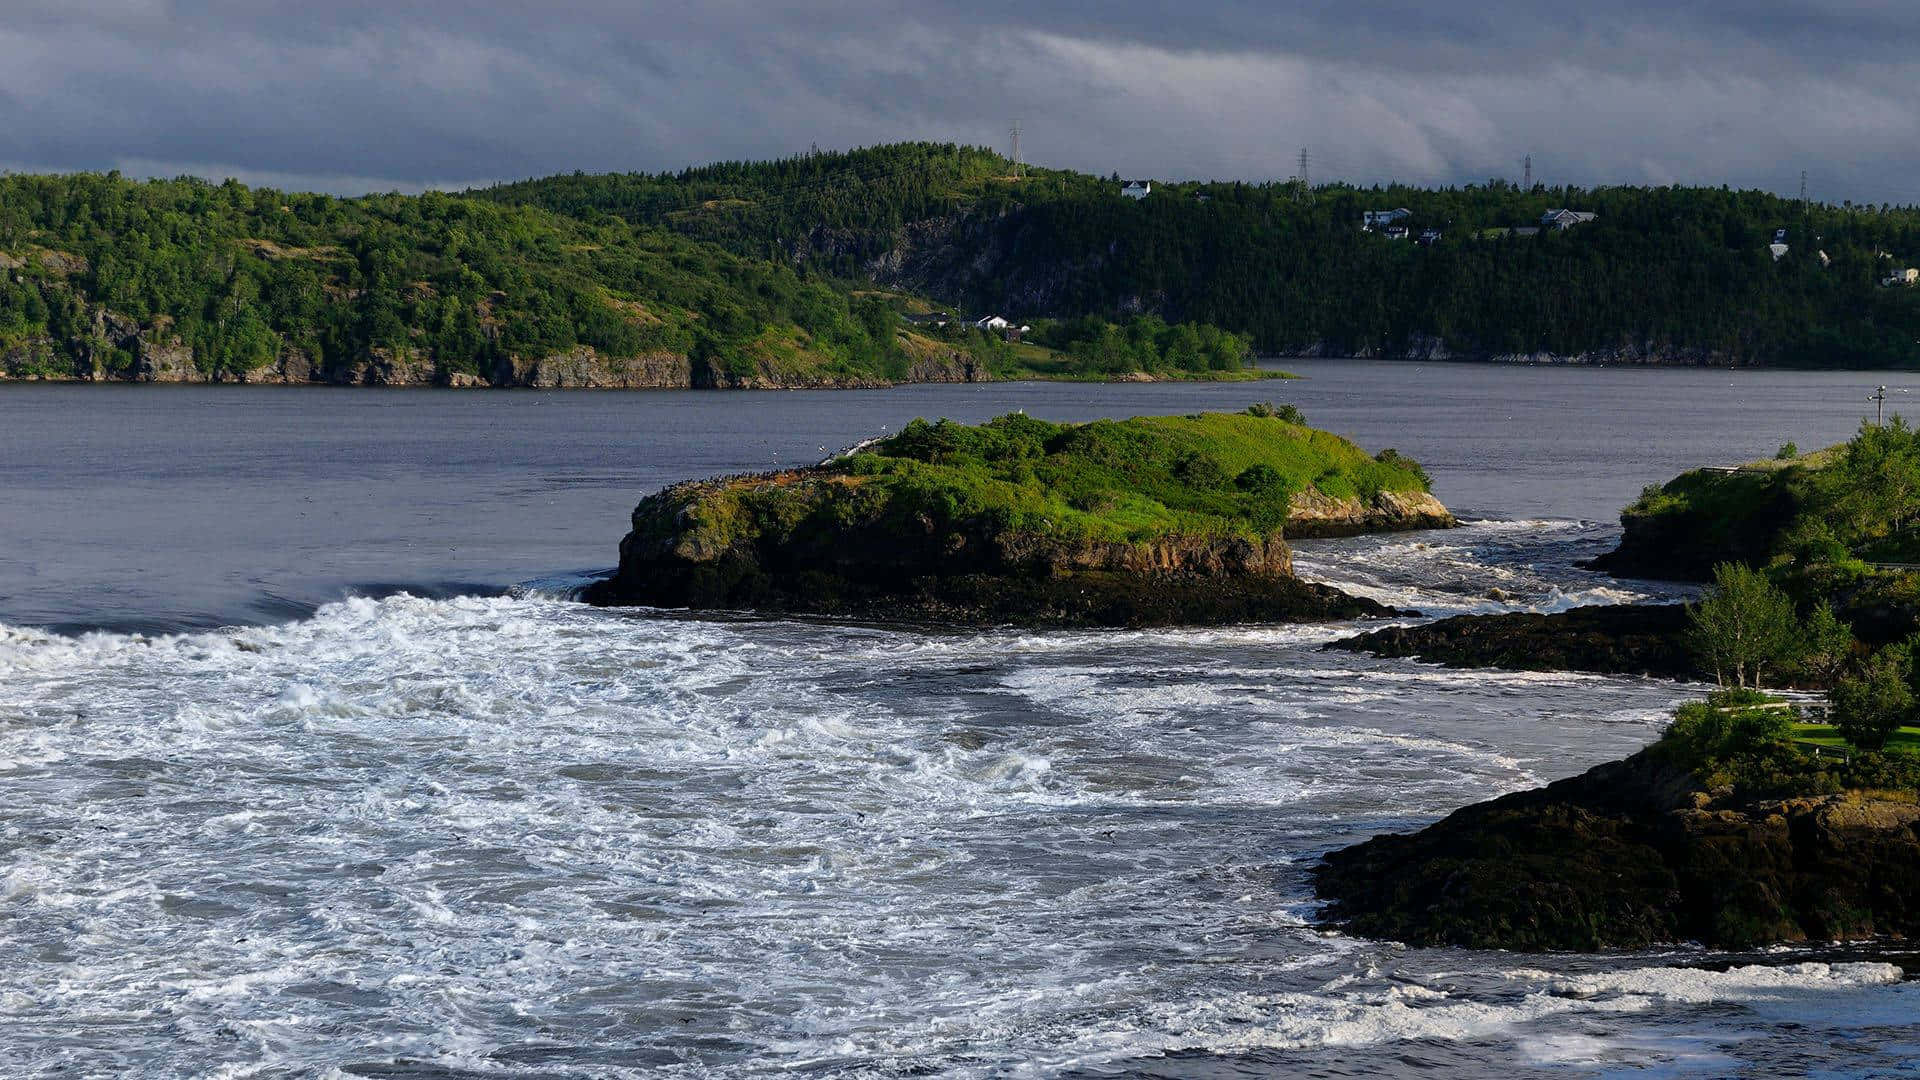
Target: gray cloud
pixel 356 95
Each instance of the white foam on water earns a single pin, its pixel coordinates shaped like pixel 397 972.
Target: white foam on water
pixel 1747 983
pixel 1360 1012
pixel 1482 567
pixel 433 830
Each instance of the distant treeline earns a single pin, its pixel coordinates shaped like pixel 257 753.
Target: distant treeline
pixel 1682 273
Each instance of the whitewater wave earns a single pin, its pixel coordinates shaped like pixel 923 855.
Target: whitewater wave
pixel 520 836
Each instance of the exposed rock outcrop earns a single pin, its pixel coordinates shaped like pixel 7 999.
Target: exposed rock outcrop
pixel 584 368
pixel 1623 639
pixel 1631 854
pixel 1313 514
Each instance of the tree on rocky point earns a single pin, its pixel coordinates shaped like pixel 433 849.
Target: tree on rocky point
pixel 1826 646
pixel 1870 706
pixel 1745 626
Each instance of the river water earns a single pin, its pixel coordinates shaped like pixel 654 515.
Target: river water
pixel 310 768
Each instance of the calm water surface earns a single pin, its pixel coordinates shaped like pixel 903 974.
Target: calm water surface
pixel 298 784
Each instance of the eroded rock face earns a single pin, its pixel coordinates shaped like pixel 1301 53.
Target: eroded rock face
pixel 1313 514
pixel 1631 854
pixel 161 356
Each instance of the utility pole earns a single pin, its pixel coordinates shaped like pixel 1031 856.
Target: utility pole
pixel 1016 149
pixel 1879 397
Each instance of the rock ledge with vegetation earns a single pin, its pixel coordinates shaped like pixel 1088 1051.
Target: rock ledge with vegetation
pixel 1727 832
pixel 1149 521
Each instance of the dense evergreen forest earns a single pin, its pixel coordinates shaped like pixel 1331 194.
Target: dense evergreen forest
pixel 1673 274
pixel 107 277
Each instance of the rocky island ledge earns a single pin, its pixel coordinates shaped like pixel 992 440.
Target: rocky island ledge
pixel 1153 521
pixel 1726 832
pixel 1741 826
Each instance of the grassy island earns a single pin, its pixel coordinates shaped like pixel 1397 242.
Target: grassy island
pixel 1141 521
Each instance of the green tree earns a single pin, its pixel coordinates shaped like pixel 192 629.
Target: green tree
pixel 1826 647
pixel 1745 626
pixel 1871 705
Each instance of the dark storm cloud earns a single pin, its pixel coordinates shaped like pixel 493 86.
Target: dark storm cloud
pixel 354 95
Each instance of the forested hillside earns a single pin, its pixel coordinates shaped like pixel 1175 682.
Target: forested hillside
pixel 1663 274
pixel 182 280
pixel 760 274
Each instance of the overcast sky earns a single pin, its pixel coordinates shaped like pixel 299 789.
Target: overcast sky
pixel 356 95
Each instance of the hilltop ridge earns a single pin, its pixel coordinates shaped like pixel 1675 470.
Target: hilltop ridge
pixel 1658 275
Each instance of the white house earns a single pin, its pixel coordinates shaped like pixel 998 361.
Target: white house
pixel 1004 327
pixel 1396 232
pixel 1909 276
pixel 1565 219
pixel 1778 250
pixel 1137 189
pixel 1371 219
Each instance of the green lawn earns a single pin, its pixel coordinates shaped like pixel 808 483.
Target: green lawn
pixel 1907 738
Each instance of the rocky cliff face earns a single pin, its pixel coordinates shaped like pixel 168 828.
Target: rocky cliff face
pixel 159 355
pixel 837 555
pixel 1631 854
pixel 1313 514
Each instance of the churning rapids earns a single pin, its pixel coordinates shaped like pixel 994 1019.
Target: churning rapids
pixel 444 830
pixel 515 836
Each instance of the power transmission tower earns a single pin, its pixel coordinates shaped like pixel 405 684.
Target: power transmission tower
pixel 1803 193
pixel 1526 166
pixel 1304 181
pixel 1016 150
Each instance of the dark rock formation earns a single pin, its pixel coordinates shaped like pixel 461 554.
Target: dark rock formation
pixel 1631 854
pixel 1623 639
